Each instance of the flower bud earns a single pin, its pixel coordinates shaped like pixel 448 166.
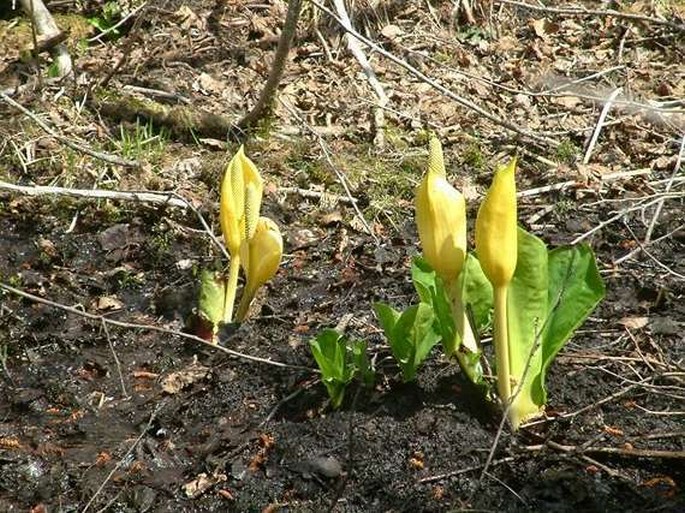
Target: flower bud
pixel 264 251
pixel 496 228
pixel 441 218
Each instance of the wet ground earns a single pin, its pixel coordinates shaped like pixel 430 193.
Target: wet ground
pixel 136 417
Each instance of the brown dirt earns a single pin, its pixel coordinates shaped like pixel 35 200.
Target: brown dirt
pixel 84 417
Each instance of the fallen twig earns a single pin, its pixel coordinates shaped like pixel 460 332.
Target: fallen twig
pixel 125 456
pixel 111 159
pixel 329 160
pixel 435 85
pixel 600 123
pixel 669 184
pixel 454 473
pixel 320 195
pixel 620 451
pixel 150 327
pixel 158 198
pixel 356 50
pixel 607 13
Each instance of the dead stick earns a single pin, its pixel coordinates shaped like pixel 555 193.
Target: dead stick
pixel 577 11
pixel 285 41
pixel 112 159
pixel 636 453
pixel 150 327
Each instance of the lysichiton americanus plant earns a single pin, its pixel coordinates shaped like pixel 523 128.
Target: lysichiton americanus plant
pixel 541 297
pixel 536 297
pixel 254 244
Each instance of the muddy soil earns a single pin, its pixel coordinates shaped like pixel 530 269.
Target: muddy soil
pixel 133 418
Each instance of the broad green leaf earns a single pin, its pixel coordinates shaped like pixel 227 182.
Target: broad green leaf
pixel 402 341
pixel 477 292
pixel 526 313
pixel 575 289
pixel 388 317
pixel 326 348
pixel 431 290
pixel 329 352
pixel 361 362
pixel 411 335
pixel 423 333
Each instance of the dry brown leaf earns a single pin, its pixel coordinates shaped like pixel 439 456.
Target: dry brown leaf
pixel 201 484
pixel 539 27
pixel 107 304
pixel 177 381
pixel 634 323
pixel 391 31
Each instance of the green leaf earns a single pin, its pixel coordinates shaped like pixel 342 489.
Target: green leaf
pixel 412 338
pixel 211 302
pixel 526 313
pixel 477 293
pixel 423 333
pixel 340 361
pixel 388 317
pixel 411 334
pixel 328 349
pixel 361 362
pixel 575 289
pixel 431 290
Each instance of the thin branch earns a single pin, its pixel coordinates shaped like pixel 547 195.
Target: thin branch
pixel 669 184
pixel 320 195
pixel 327 155
pixel 157 198
pixel 125 456
pixel 116 360
pixel 114 27
pixel 111 159
pixel 619 451
pixel 355 49
pixel 454 473
pixel 149 327
pixel 619 215
pixel 606 13
pixel 600 123
pixel 266 97
pixel 435 85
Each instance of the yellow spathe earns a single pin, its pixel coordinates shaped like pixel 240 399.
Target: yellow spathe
pixel 496 232
pixel 441 218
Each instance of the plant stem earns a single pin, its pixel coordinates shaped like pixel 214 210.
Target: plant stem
pixel 231 287
pixel 502 344
pixel 245 302
pixel 461 322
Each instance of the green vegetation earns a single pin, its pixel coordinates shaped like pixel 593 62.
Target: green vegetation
pixel 142 141
pixel 340 361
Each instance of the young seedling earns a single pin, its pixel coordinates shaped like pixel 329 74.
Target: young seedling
pixel 340 361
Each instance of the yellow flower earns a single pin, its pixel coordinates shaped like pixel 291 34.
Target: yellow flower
pixel 441 218
pixel 241 197
pixel 496 228
pixel 265 249
pixel 261 258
